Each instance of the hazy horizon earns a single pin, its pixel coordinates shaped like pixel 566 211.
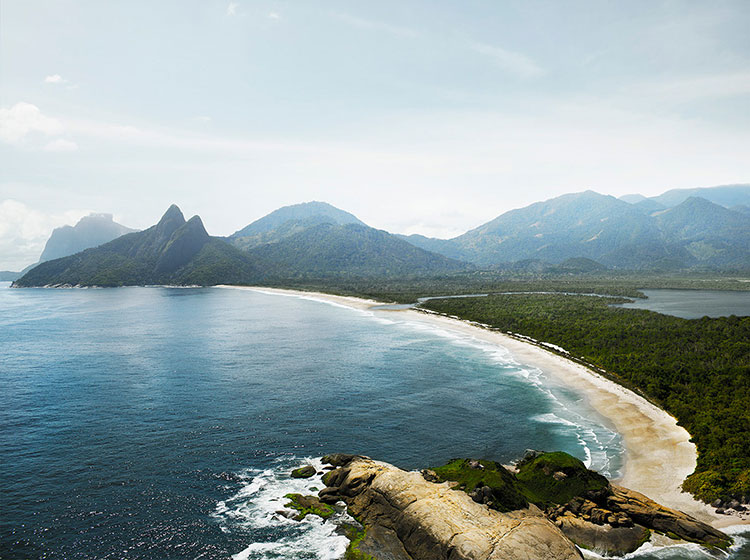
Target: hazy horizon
pixel 416 118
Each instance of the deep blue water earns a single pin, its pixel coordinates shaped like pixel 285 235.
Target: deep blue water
pixel 163 422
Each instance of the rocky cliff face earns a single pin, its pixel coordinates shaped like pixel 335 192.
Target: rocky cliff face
pixel 411 518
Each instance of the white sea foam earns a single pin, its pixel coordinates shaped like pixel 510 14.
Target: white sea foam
pixel 317 541
pixel 598 452
pixel 682 551
pixel 685 551
pixel 552 418
pixel 256 509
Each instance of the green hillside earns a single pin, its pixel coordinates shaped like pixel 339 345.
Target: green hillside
pixel 328 250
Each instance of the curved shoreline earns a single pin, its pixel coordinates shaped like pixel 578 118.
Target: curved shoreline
pixel 658 452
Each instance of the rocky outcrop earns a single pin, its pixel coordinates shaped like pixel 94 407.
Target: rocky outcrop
pixel 308 505
pixel 605 538
pixel 596 528
pixel 603 516
pixel 619 520
pixel 431 521
pixel 647 512
pixel 470 509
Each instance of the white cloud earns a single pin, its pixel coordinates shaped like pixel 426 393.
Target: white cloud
pixel 232 8
pixel 273 15
pixel 205 119
pixel 373 25
pixel 24 232
pixel 23 120
pixel 55 79
pixel 514 62
pixel 61 145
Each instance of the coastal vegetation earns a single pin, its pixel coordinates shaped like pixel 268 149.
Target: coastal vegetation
pixel 544 479
pixel 409 289
pixel 698 370
pixel 557 478
pixel 504 492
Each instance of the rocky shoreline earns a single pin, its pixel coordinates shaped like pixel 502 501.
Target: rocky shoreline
pixel 550 507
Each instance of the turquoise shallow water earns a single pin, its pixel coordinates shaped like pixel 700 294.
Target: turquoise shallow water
pixel 163 422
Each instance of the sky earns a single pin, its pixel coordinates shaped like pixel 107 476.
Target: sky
pixel 428 117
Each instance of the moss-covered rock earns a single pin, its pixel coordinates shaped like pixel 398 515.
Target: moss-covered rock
pixel 304 472
pixel 543 479
pixel 487 482
pixel 355 536
pixel 422 520
pixel 308 505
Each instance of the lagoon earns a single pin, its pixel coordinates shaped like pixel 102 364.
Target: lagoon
pixel 693 304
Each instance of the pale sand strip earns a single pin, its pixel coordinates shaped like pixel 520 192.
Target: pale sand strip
pixel 658 452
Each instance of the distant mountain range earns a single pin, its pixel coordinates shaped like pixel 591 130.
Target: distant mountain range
pixel 315 239
pixel 574 233
pixel 642 234
pixel 174 251
pixel 306 240
pixel 288 221
pixel 90 231
pixel 8 275
pixel 724 195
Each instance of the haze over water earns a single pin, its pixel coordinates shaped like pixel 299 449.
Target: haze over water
pixel 162 423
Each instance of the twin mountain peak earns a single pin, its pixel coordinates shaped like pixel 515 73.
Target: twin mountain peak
pixel 576 232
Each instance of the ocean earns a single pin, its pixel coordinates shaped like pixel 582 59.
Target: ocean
pixel 163 422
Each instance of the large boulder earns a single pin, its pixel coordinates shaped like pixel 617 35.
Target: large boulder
pixel 435 522
pixel 602 538
pixel 304 472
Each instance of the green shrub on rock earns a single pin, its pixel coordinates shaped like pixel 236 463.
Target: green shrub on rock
pixel 556 478
pixel 473 477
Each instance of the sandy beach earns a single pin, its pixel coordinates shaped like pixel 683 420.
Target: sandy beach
pixel 658 452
